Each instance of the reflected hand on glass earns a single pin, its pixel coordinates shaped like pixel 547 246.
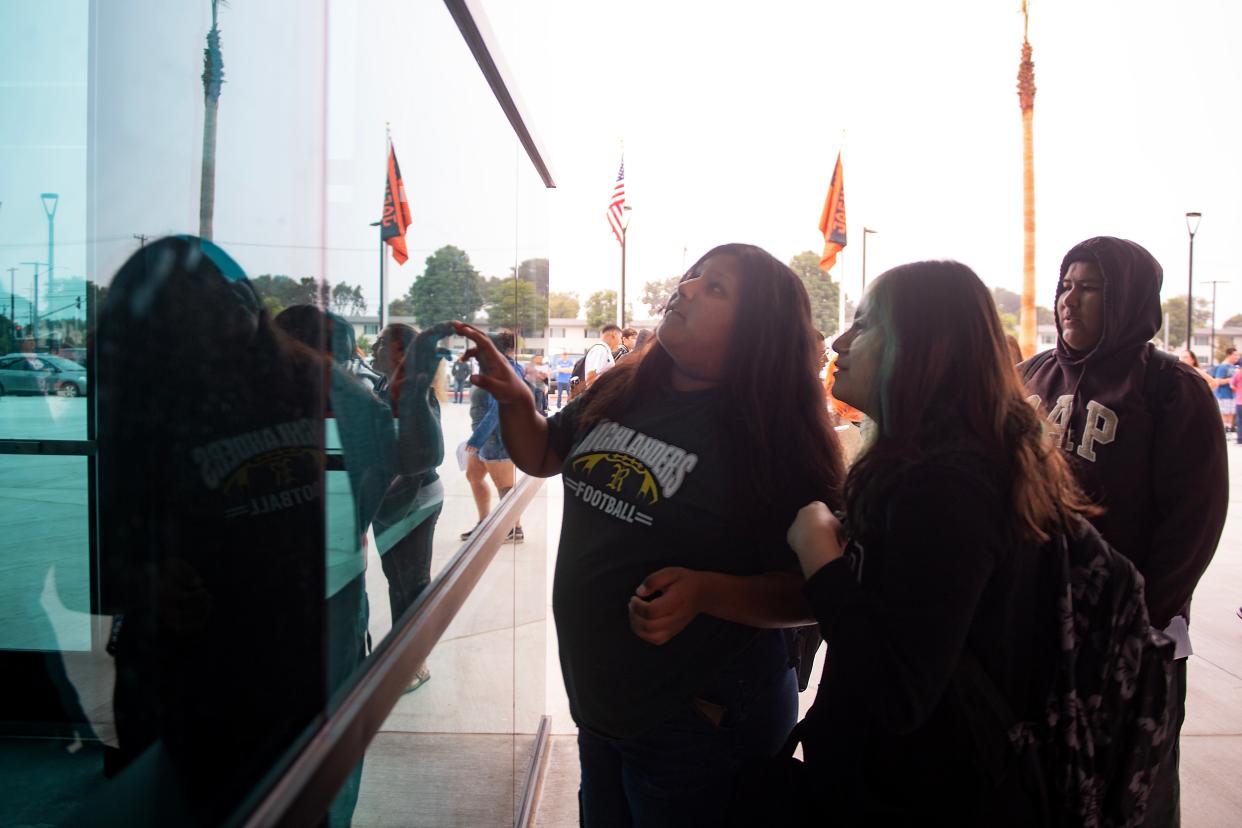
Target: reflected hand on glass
pixel 425 359
pixel 497 378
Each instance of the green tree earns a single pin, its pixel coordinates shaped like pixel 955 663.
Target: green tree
pixel 823 292
pixel 601 308
pixel 1007 301
pixel 1234 321
pixel 534 271
pixel 516 305
pixel 347 300
pixel 656 294
pixel 449 288
pixel 279 292
pixel 400 307
pixel 563 305
pixel 1175 318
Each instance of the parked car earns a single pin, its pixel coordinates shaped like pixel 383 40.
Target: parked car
pixel 41 374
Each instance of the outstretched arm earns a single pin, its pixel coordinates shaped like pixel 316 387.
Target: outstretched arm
pixel 525 430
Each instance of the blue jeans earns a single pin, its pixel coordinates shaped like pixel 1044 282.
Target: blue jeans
pixel 682 772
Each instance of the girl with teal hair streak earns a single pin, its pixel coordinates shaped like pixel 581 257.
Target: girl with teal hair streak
pixel 948 508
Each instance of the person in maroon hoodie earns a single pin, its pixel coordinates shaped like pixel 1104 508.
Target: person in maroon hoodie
pixel 1143 436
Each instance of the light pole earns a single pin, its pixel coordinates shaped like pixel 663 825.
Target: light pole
pixel 625 226
pixel 50 201
pixel 1192 227
pixel 12 297
pixel 1212 353
pixel 34 306
pixel 867 231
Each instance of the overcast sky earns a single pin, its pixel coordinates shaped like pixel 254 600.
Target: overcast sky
pixel 731 115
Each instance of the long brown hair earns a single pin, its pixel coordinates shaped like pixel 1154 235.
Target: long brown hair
pixel 772 411
pixel 945 372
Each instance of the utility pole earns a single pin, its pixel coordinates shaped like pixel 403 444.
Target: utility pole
pixel 12 296
pixel 142 239
pixel 1212 352
pixel 34 306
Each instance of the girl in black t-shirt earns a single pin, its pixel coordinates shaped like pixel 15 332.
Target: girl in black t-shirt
pixel 682 467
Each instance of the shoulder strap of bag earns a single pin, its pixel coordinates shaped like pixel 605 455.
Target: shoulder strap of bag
pixel 1036 362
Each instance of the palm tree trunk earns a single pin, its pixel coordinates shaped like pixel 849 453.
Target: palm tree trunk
pixel 1026 99
pixel 213 79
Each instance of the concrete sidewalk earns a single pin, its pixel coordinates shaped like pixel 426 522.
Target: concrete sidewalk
pixel 1212 735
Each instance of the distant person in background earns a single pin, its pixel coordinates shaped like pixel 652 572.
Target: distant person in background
pixel 1223 373
pixel 487 455
pixel 629 341
pixel 1015 350
pixel 564 370
pixel 461 373
pixel 599 358
pixel 644 336
pixel 536 374
pixel 1189 358
pixel 1236 384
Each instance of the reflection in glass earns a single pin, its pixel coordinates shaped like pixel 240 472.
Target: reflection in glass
pixel 211 522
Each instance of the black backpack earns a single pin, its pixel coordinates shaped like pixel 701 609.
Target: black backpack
pixel 579 373
pixel 1090 756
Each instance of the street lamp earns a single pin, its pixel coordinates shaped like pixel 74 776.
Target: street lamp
pixel 50 201
pixel 867 231
pixel 625 226
pixel 1192 227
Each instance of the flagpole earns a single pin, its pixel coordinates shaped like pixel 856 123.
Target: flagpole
pixel 383 269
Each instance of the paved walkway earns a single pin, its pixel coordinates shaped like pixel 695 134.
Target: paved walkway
pixel 1212 735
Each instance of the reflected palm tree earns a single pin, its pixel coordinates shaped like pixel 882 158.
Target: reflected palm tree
pixel 213 80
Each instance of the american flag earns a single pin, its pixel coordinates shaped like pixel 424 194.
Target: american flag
pixel 616 205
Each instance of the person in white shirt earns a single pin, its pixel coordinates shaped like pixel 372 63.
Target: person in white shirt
pixel 599 358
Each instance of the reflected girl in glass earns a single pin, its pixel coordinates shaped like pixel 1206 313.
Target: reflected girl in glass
pixel 211 525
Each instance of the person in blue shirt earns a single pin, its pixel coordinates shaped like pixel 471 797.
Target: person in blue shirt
pixel 564 368
pixel 1221 376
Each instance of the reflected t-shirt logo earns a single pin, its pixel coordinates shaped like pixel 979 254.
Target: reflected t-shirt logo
pixel 269 467
pixel 624 469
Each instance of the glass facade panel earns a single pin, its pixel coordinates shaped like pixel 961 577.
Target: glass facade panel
pixel 213 503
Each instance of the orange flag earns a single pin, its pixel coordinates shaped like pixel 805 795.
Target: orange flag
pixel 396 210
pixel 832 219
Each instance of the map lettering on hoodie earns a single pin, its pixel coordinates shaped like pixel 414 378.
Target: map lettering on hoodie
pixel 1100 426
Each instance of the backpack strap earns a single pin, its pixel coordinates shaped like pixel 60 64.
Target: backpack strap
pixel 1036 362
pixel 1157 377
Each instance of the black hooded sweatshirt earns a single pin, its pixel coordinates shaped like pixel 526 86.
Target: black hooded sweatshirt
pixel 1157 465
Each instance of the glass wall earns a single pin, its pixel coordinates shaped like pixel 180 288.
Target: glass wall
pixel 225 476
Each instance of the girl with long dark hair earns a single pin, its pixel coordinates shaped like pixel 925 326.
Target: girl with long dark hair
pixel 948 507
pixel 673 572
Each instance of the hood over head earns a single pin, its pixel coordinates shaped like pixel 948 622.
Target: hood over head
pixel 1132 280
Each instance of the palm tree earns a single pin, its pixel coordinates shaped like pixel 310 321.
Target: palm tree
pixel 213 80
pixel 1026 99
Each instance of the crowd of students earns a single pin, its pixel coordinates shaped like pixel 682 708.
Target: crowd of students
pixel 709 510
pixel 701 520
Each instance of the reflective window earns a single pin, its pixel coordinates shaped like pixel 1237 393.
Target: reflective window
pixel 225 475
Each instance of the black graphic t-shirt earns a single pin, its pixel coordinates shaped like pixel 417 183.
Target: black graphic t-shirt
pixel 651 491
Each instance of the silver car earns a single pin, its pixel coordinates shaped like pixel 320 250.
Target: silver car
pixel 41 374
